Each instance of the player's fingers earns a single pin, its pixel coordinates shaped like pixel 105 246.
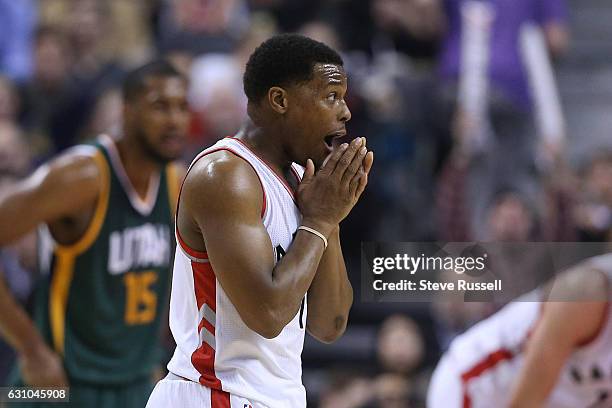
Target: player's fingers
pixel 368 161
pixel 332 159
pixel 363 182
pixel 309 172
pixel 354 183
pixel 355 166
pixel 347 158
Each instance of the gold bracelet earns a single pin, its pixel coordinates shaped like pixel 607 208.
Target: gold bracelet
pixel 314 231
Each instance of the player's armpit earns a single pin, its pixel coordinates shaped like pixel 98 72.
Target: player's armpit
pixel 223 196
pixel 66 185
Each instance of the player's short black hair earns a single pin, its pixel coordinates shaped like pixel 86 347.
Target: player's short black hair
pixel 135 81
pixel 283 60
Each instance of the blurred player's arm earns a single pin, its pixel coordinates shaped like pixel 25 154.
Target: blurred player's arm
pixel 267 296
pixel 330 296
pixel 65 186
pixel 59 189
pixel 40 366
pixel 573 319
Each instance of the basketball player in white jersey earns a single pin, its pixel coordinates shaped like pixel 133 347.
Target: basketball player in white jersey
pixel 555 353
pixel 259 259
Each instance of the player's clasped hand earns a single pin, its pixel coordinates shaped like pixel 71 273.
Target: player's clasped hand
pixel 328 196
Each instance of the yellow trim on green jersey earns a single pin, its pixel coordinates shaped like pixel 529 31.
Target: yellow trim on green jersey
pixel 66 256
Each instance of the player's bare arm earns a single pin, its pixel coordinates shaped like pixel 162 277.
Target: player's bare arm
pixel 572 319
pixel 330 295
pixel 39 364
pixel 67 187
pixel 230 229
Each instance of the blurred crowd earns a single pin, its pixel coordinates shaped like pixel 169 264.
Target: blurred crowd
pixel 456 97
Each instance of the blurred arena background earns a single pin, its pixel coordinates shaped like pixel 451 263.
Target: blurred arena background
pixel 546 177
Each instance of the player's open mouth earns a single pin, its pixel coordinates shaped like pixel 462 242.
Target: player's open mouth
pixel 333 139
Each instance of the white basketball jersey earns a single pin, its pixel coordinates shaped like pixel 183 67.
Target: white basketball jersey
pixel 214 345
pixel 489 356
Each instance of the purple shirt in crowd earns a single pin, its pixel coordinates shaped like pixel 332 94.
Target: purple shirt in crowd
pixel 506 70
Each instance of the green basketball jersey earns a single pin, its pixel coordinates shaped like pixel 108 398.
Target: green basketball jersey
pixel 104 297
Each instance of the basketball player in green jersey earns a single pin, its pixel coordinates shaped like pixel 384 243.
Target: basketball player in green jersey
pixel 107 210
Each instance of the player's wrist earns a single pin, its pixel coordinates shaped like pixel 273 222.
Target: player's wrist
pixel 323 227
pixel 32 348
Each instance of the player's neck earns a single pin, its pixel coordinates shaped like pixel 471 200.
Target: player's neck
pixel 138 167
pixel 266 145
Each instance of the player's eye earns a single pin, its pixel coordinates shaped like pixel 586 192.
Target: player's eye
pixel 332 96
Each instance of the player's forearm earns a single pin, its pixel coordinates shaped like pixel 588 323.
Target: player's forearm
pixel 330 296
pixel 16 327
pixel 292 277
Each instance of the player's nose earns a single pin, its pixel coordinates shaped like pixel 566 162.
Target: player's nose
pixel 345 113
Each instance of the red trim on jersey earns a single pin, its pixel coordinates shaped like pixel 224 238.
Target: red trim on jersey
pixel 201 254
pixel 203 358
pixel 487 363
pixel 219 399
pixel 194 253
pixel 265 163
pixel 296 174
pixel 206 324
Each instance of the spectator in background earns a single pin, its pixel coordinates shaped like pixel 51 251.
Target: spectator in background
pixel 321 31
pixel 89 27
pixel 89 23
pixel 511 218
pixel 201 26
pixel 133 31
pixel 400 347
pixel 500 147
pixel 409 26
pixel 9 100
pixel 17 21
pixel 350 391
pixel 216 91
pixel 47 94
pixel 292 14
pixel 14 153
pixel 401 354
pixel 593 211
pixel 393 391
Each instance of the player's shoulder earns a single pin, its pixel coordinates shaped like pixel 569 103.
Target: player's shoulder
pixel 80 165
pixel 586 281
pixel 223 175
pixel 81 156
pixel 220 167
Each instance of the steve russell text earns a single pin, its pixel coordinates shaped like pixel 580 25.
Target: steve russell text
pixel 425 284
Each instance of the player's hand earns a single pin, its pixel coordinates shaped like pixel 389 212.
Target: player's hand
pixel 327 197
pixel 43 368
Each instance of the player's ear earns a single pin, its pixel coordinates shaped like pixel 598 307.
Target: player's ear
pixel 277 98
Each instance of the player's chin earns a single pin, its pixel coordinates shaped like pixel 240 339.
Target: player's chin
pixel 168 156
pixel 171 153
